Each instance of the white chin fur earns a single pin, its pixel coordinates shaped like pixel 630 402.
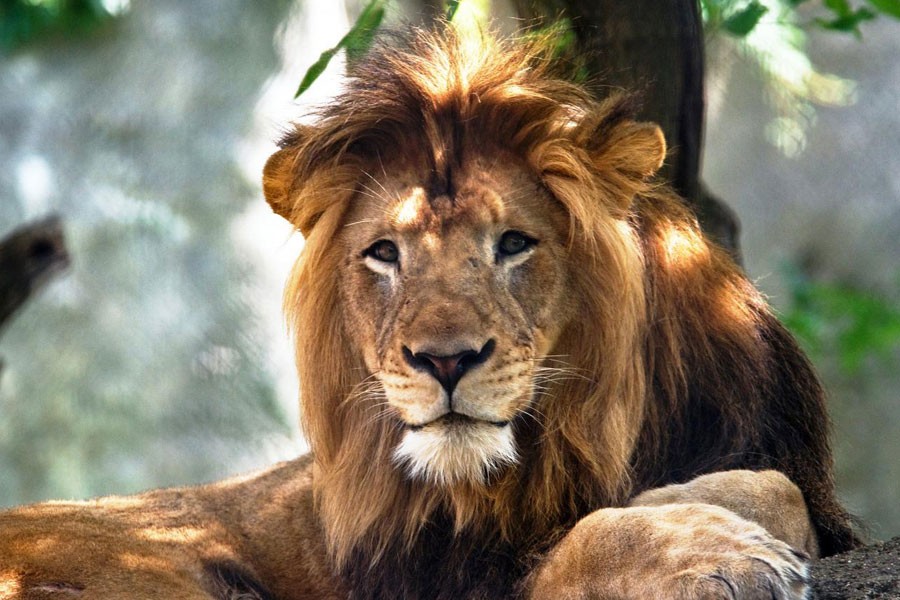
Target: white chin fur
pixel 447 455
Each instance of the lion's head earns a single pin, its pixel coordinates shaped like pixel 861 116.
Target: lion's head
pixel 493 292
pixel 455 290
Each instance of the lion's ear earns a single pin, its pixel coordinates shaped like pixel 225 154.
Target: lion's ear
pixel 281 179
pixel 632 148
pixel 277 181
pixel 301 179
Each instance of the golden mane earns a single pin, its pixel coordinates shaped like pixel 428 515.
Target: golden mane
pixel 684 368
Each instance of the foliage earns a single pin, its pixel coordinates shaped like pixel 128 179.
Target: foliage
pixel 24 20
pixel 773 35
pixel 740 17
pixel 842 322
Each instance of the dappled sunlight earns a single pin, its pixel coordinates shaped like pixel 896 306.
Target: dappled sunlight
pixel 687 255
pixel 144 562
pixel 45 545
pixel 734 306
pixel 407 212
pixel 10 585
pixel 683 247
pixel 158 543
pixel 171 535
pixel 430 240
pixel 287 481
pixel 117 502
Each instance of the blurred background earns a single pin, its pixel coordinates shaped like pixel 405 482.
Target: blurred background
pixel 160 358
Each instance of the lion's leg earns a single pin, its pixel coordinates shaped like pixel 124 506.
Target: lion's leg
pixel 252 537
pixel 765 497
pixel 52 553
pixel 669 552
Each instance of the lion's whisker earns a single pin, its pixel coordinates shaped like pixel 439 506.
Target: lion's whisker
pixel 372 193
pixel 360 222
pixel 374 180
pixel 363 192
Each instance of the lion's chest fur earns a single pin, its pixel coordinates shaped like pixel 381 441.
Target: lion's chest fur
pixel 440 566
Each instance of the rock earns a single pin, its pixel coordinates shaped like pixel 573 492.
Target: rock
pixel 869 572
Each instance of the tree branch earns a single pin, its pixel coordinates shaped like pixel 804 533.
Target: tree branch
pixel 29 257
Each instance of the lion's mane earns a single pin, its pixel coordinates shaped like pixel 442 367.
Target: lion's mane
pixel 683 368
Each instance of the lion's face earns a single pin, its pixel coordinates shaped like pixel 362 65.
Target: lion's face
pixel 455 297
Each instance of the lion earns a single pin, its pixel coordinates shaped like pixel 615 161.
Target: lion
pixel 525 373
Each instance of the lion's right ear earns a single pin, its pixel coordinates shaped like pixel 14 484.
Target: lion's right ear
pixel 278 179
pixel 308 176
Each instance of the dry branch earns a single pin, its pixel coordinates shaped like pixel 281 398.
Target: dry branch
pixel 29 257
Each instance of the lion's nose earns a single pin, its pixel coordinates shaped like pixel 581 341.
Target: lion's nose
pixel 448 370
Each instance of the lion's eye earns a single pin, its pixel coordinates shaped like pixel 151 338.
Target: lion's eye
pixel 514 242
pixel 383 250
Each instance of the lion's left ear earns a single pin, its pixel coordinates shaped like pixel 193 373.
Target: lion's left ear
pixel 632 148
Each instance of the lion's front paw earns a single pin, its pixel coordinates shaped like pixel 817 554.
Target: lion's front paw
pixel 758 566
pixel 672 552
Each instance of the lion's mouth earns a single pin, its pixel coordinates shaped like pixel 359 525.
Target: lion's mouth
pixel 455 420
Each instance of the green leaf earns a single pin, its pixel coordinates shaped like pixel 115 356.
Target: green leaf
pixel 888 7
pixel 839 7
pixel 452 5
pixel 848 23
pixel 742 22
pixel 359 39
pixel 315 70
pixel 356 42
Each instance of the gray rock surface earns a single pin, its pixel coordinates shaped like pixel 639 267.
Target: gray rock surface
pixel 871 572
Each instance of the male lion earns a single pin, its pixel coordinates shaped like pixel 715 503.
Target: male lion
pixel 509 337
